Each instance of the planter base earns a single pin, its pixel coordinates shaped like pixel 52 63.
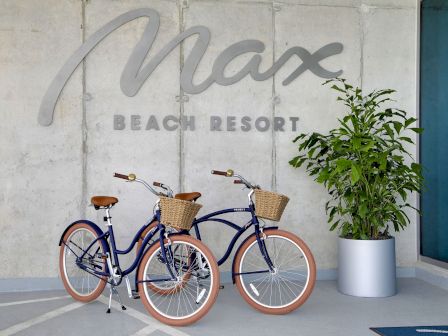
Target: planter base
pixel 366 268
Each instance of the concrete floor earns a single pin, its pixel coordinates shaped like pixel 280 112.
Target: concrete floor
pixel 326 313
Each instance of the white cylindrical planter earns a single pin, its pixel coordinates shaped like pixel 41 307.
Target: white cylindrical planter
pixel 366 268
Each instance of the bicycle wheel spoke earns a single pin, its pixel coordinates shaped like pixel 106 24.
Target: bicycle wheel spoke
pixel 285 282
pixel 290 282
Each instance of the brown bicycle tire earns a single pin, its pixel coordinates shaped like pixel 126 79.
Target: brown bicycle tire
pixel 214 294
pixel 312 273
pixel 101 284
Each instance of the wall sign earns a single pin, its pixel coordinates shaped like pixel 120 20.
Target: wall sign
pixel 134 75
pixel 137 122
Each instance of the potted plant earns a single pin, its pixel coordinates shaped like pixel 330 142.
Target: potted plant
pixel 368 174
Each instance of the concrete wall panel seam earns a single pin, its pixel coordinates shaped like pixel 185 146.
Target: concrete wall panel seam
pixel 84 130
pixel 182 5
pixel 273 104
pixel 361 42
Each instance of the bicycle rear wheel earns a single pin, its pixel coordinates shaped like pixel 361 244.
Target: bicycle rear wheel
pixel 80 284
pixel 184 299
pixel 283 289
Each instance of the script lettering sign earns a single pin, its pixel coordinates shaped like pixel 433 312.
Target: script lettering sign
pixel 134 75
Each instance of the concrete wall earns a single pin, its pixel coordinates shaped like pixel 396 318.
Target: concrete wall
pixel 50 173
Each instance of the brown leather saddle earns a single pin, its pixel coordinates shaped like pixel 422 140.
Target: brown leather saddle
pixel 103 201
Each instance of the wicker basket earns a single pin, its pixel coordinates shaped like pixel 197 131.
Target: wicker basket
pixel 178 213
pixel 269 205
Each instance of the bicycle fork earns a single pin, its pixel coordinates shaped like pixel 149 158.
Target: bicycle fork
pixel 263 250
pixel 261 236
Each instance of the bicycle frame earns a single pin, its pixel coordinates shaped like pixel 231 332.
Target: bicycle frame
pixel 115 252
pixel 240 230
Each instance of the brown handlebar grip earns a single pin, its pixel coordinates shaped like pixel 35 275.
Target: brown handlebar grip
pixel 238 182
pixel 122 176
pixel 218 172
pixel 157 184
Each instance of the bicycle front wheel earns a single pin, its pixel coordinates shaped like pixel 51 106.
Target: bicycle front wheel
pixel 288 285
pixel 192 292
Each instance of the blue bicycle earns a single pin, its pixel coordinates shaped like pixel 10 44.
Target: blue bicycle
pixel 274 270
pixel 177 276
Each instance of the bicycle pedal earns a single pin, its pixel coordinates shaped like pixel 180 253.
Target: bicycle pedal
pixel 135 295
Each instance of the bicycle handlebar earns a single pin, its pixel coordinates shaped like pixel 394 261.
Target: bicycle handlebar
pixel 231 173
pixel 163 186
pixel 219 172
pixel 132 177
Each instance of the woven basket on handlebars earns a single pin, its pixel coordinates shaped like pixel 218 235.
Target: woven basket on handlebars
pixel 178 213
pixel 269 205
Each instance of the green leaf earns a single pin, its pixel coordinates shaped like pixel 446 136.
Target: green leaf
pixel 418 130
pixel 335 87
pixel 355 173
pixel 417 169
pixel 402 193
pixel 407 139
pixel 383 161
pixel 323 175
pixel 311 152
pixel 335 225
pixel 356 142
pixel 297 161
pixel 398 126
pixel 389 130
pixel 409 121
pixel 301 136
pixel 368 146
pixel 332 213
pixel 363 210
pixel 343 164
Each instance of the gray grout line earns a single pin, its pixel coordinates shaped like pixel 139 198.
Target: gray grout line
pixel 14 303
pixel 39 319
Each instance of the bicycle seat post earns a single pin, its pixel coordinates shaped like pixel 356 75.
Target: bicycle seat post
pixel 108 218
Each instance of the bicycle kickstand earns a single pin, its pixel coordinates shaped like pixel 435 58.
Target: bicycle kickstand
pixel 113 290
